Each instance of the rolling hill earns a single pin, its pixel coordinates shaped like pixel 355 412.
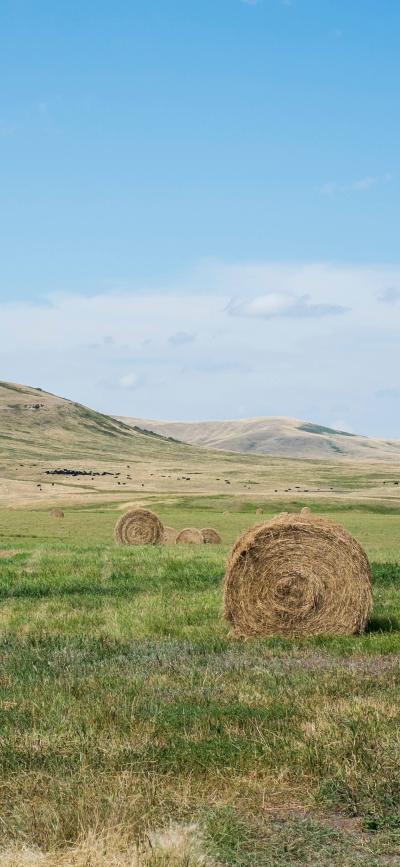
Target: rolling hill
pixel 54 451
pixel 280 437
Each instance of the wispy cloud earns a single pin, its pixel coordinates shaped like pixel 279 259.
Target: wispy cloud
pixel 328 189
pixel 181 338
pixel 391 295
pixel 131 380
pixel 388 392
pixel 277 304
pixel 365 184
pixel 358 186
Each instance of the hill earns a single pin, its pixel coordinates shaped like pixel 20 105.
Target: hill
pixel 54 451
pixel 283 437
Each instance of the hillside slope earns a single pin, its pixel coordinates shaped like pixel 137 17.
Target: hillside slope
pixel 56 452
pixel 37 425
pixel 283 437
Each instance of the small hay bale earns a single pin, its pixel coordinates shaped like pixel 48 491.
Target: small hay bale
pixel 138 527
pixel 305 511
pixel 56 513
pixel 297 575
pixel 169 536
pixel 210 536
pixel 225 513
pixel 190 536
pixel 259 511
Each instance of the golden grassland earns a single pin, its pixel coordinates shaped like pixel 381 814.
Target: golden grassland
pixel 133 731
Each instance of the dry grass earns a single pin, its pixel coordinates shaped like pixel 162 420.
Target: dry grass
pixel 297 575
pixel 175 846
pixel 210 536
pixel 169 536
pixel 139 527
pixel 190 536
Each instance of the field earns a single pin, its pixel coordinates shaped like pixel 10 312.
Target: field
pixel 133 731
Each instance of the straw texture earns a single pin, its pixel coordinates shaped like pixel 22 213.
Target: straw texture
pixel 189 536
pixel 138 527
pixel 169 536
pixel 297 575
pixel 210 536
pixel 56 513
pixel 259 511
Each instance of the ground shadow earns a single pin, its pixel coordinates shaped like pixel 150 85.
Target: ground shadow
pixel 383 624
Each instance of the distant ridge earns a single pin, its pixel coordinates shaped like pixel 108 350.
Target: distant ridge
pixel 274 436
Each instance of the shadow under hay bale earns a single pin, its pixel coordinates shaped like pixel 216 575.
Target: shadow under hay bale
pixel 190 536
pixel 138 527
pixel 56 513
pixel 297 575
pixel 210 536
pixel 169 536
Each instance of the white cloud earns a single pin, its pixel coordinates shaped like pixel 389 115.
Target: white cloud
pixel 277 304
pixel 365 184
pixel 328 189
pixel 280 353
pixel 131 380
pixel 355 186
pixel 181 338
pixel 391 295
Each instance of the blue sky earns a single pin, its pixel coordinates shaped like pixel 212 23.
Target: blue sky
pixel 228 163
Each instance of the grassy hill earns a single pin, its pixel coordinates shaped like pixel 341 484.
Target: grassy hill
pixel 56 452
pixel 284 437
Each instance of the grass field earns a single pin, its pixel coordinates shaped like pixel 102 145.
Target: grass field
pixel 133 731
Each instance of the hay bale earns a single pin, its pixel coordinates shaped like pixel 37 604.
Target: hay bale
pixel 56 513
pixel 138 527
pixel 225 513
pixel 297 575
pixel 210 536
pixel 189 536
pixel 169 536
pixel 305 511
pixel 259 511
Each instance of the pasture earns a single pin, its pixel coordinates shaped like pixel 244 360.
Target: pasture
pixel 132 727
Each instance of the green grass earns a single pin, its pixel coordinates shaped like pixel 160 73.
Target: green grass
pixel 123 703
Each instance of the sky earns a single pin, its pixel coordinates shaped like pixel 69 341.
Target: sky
pixel 199 207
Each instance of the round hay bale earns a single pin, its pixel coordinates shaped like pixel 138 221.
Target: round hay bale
pixel 305 511
pixel 297 575
pixel 56 513
pixel 138 527
pixel 169 536
pixel 259 511
pixel 210 536
pixel 225 513
pixel 189 536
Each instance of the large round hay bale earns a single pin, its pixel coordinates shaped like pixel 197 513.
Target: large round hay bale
pixel 297 575
pixel 210 536
pixel 169 536
pixel 138 527
pixel 225 513
pixel 305 511
pixel 189 536
pixel 259 511
pixel 56 513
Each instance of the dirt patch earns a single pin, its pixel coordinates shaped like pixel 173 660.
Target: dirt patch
pixel 7 554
